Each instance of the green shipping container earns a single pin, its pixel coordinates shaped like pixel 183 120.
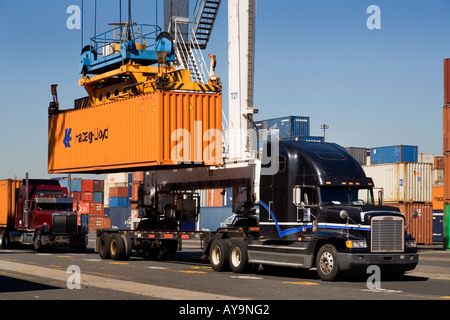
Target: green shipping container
pixel 446 242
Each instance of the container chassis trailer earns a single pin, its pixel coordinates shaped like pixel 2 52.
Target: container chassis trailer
pixel 316 211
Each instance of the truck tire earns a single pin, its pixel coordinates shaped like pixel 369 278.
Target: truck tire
pixel 128 246
pixel 4 239
pixel 327 263
pixel 171 248
pixel 239 257
pixel 103 246
pixel 219 255
pixel 117 247
pixel 37 242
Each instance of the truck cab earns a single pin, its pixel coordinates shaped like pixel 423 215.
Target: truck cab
pixel 317 209
pixel 45 216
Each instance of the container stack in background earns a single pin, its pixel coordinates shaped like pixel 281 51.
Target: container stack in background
pixel 117 200
pixel 92 203
pixel 446 149
pixel 407 184
pixel 285 128
pixel 137 179
pixel 88 199
pixel 215 208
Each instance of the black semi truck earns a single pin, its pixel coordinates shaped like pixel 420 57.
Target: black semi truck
pixel 316 210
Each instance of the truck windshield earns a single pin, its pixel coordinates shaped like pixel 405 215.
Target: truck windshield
pixel 346 196
pixel 54 206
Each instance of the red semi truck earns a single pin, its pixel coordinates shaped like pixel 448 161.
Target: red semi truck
pixel 38 213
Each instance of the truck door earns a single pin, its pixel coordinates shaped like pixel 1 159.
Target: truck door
pixel 29 213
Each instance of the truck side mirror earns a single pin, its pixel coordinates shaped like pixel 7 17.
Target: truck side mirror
pixel 297 196
pixel 414 214
pixel 380 197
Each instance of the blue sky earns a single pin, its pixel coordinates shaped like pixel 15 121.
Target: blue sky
pixel 314 58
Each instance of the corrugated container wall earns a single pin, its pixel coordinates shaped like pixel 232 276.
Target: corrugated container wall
pixel 7 201
pixel 446 81
pixel 360 154
pixel 446 118
pixel 393 154
pixel 426 158
pixel 287 127
pixel 75 184
pixel 439 162
pixel 156 129
pixel 420 228
pixel 438 226
pixel 447 179
pixel 446 227
pixel 402 182
pixel 438 198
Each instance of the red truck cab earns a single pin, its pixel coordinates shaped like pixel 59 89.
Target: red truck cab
pixel 44 216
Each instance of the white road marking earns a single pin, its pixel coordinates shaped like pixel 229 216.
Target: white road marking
pixel 114 284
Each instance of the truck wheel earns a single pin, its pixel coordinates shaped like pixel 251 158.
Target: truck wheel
pixel 327 263
pixel 117 247
pixel 4 239
pixel 171 248
pixel 37 242
pixel 239 257
pixel 128 245
pixel 104 244
pixel 219 255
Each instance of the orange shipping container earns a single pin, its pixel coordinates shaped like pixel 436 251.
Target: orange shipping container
pixel 135 191
pixel 121 192
pixel 421 228
pixel 87 185
pixel 215 198
pixel 439 162
pixel 138 177
pixel 438 198
pixel 98 222
pixel 155 129
pixel 76 196
pixel 8 201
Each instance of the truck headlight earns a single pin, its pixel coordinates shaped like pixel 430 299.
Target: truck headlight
pixel 410 243
pixel 356 244
pixel 45 228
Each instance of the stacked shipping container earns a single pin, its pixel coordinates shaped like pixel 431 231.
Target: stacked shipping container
pixel 117 200
pixel 438 213
pixel 393 154
pixel 408 186
pixel 88 199
pixel 446 149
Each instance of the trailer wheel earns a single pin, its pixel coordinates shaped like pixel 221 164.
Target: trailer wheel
pixel 327 263
pixel 104 244
pixel 117 247
pixel 171 248
pixel 128 245
pixel 239 257
pixel 219 255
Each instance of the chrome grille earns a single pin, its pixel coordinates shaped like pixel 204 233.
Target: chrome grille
pixel 65 223
pixel 387 234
